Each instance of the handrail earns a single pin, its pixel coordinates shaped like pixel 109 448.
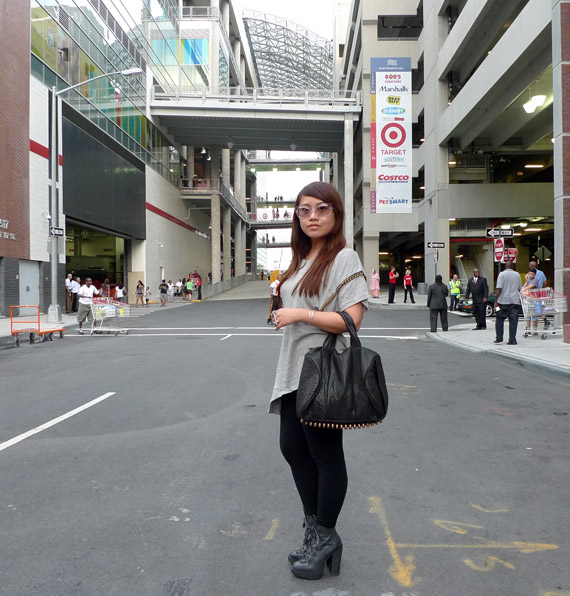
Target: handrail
pixel 261 95
pixel 200 12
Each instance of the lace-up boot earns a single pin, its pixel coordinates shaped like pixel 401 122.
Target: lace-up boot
pixel 309 524
pixel 324 548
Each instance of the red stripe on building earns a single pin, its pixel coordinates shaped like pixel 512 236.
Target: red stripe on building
pixel 42 151
pixel 175 220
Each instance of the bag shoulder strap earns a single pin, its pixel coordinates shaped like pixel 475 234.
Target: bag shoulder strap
pixel 340 285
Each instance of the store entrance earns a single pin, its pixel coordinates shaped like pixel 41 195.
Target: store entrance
pixel 94 254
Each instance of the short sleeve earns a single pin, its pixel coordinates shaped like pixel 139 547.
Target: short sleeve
pixel 347 264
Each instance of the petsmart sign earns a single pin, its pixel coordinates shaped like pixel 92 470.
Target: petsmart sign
pixel 391 135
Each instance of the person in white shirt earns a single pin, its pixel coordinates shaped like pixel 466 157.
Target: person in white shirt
pixel 120 293
pixel 75 285
pixel 85 295
pixel 170 292
pixel 68 291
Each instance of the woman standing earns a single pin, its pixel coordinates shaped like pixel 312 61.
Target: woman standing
pixel 321 265
pixel 408 286
pixel 139 293
pixel 393 275
pixel 105 288
pixel 374 283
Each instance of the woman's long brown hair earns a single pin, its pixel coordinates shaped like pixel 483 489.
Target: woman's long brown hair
pixel 301 243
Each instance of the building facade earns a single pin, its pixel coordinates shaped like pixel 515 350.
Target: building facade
pixel 487 104
pixel 120 174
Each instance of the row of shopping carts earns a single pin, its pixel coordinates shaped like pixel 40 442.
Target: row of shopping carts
pixel 542 309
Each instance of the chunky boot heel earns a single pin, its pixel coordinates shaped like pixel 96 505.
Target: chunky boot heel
pixel 333 562
pixel 309 524
pixel 324 549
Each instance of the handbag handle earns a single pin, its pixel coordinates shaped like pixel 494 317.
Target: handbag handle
pixel 354 339
pixel 355 345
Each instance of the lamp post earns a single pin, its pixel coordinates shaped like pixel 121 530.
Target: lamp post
pixel 54 311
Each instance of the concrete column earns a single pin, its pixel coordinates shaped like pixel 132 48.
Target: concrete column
pixel 327 172
pixel 242 185
pixel 348 181
pixel 226 168
pixel 561 133
pixel 335 170
pixel 436 230
pixel 236 49
pixel 216 252
pixel 237 175
pixel 226 14
pixel 238 248
pixel 370 254
pixel 244 248
pixel 214 64
pixel 227 230
pixel 189 167
pixel 215 167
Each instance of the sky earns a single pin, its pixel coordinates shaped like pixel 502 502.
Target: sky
pixel 316 15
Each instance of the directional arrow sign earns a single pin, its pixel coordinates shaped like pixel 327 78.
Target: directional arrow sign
pixel 56 231
pixel 500 233
pixel 436 244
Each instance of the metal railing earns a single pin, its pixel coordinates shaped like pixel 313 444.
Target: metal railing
pixel 197 187
pixel 200 12
pixel 260 95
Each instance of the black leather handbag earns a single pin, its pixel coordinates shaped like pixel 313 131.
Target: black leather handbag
pixel 342 389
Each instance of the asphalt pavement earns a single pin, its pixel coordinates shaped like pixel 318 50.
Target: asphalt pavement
pixel 146 464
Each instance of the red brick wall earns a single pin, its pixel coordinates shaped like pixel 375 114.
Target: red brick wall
pixel 14 129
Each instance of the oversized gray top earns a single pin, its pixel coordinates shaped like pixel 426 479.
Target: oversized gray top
pixel 300 337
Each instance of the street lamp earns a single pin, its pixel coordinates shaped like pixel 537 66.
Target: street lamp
pixel 54 311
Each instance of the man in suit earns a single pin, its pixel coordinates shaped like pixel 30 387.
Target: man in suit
pixel 478 289
pixel 437 303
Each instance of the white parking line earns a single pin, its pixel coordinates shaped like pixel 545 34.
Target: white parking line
pixel 226 337
pixel 53 422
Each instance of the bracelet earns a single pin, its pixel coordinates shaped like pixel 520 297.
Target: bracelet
pixel 311 315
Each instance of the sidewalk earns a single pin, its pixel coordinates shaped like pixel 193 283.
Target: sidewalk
pixel 399 304
pixel 549 355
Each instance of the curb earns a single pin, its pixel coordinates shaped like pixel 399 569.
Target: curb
pixel 510 357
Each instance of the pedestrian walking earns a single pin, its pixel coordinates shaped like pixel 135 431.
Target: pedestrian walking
pixel 478 288
pixel 170 293
pixel 147 296
pixel 437 304
pixel 163 290
pixel 408 286
pixel 321 263
pixel 454 292
pixel 85 297
pixel 508 289
pixel 374 283
pixel 139 294
pixel 393 278
pixel 274 295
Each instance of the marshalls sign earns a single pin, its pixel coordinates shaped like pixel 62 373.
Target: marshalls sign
pixel 391 135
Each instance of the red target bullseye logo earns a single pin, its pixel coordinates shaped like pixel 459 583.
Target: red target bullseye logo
pixel 393 135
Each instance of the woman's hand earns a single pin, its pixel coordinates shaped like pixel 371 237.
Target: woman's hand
pixel 288 316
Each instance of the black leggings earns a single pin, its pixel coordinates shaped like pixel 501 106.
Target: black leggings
pixel 317 462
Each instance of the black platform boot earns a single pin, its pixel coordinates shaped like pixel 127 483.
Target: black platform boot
pixel 309 524
pixel 326 547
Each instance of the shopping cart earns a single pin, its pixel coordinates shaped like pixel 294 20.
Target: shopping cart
pixel 542 305
pixel 108 309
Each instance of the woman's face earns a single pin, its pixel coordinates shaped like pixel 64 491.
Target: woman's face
pixel 316 227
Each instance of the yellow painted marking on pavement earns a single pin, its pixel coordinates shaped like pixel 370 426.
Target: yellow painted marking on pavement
pixel 556 594
pixel 455 527
pixel 523 547
pixel 273 529
pixel 479 508
pixel 400 571
pixel 489 564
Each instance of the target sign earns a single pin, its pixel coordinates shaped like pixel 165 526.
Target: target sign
pixel 393 135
